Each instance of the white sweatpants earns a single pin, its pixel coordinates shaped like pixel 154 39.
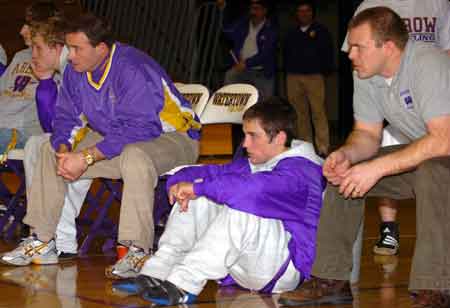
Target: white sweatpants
pixel 66 231
pixel 210 241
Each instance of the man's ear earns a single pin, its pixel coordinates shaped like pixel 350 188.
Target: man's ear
pixel 102 47
pixel 280 138
pixel 59 48
pixel 390 46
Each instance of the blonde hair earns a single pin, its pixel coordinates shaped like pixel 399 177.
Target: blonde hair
pixel 51 31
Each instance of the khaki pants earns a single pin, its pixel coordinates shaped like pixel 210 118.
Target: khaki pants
pixel 341 218
pixel 138 165
pixel 307 94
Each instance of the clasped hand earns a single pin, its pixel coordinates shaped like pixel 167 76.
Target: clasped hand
pixel 182 193
pixel 70 165
pixel 353 181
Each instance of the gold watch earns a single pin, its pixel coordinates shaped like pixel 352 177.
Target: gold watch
pixel 88 157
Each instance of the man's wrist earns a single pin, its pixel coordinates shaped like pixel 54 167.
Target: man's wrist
pixel 63 148
pixel 88 157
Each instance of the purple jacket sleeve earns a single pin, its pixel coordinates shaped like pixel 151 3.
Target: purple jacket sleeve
pixel 190 174
pixel 135 120
pixel 67 111
pixel 2 68
pixel 46 94
pixel 277 194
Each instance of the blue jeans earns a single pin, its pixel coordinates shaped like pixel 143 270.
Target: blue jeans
pixel 5 138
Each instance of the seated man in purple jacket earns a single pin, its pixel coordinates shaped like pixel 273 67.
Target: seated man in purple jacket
pixel 140 126
pixel 252 221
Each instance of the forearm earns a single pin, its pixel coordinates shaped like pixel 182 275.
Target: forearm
pixel 360 145
pixel 412 155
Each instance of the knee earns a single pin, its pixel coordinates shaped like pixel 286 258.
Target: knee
pixel 33 145
pixel 134 160
pixel 47 149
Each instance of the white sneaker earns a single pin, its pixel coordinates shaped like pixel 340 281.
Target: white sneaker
pixel 31 250
pixel 129 266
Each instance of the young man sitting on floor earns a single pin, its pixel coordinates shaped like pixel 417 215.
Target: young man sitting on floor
pixel 251 222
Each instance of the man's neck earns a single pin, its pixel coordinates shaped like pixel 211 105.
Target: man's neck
pixel 393 64
pixel 304 25
pixel 257 22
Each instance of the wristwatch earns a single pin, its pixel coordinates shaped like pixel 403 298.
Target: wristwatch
pixel 88 157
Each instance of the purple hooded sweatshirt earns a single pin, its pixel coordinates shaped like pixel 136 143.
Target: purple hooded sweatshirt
pixel 288 188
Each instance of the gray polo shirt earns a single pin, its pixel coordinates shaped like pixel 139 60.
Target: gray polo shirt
pixel 419 91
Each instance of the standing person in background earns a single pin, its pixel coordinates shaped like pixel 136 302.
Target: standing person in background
pixel 308 57
pixel 254 39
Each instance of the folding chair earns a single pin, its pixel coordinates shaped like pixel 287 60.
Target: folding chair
pixel 225 107
pixel 197 94
pixel 15 201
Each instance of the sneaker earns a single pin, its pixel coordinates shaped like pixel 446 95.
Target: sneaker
pixel 168 294
pixel 431 299
pixel 318 291
pixel 135 286
pixel 66 256
pixel 388 244
pixel 31 250
pixel 129 266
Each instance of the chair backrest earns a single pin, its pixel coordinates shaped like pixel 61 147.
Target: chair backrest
pixel 391 136
pixel 228 104
pixel 14 154
pixel 197 94
pixel 178 85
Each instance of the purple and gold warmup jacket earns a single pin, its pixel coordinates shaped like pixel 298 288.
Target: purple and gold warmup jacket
pixel 131 100
pixel 288 187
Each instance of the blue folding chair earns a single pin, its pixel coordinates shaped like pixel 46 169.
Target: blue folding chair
pixel 13 200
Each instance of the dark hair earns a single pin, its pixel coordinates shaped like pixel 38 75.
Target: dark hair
pixel 262 3
pixel 385 24
pixel 310 3
pixel 275 115
pixel 40 11
pixel 97 29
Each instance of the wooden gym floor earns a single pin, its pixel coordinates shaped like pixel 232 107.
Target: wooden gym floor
pixel 81 283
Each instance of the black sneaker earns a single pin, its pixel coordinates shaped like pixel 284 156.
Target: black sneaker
pixel 66 256
pixel 388 244
pixel 168 294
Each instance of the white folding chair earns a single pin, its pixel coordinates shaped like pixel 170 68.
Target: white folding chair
pixel 197 94
pixel 228 104
pixel 225 107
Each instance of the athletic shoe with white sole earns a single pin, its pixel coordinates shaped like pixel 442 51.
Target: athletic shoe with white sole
pixel 31 250
pixel 129 266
